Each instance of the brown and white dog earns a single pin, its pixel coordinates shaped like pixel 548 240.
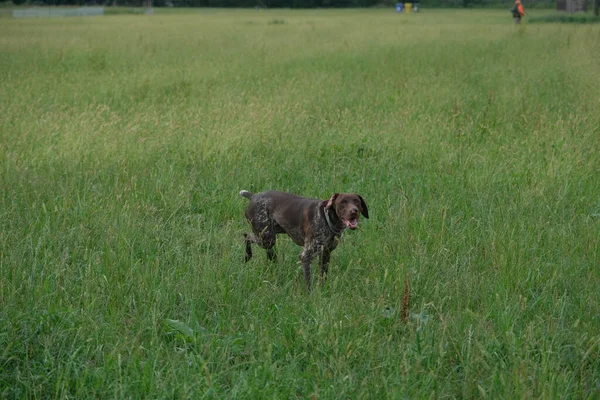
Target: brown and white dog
pixel 316 225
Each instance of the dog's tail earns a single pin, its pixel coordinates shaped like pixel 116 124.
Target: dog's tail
pixel 246 194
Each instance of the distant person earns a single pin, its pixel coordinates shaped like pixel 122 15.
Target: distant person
pixel 518 11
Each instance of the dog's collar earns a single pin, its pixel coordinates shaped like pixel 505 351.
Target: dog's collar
pixel 330 224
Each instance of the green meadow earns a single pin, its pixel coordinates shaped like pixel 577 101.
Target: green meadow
pixel 125 139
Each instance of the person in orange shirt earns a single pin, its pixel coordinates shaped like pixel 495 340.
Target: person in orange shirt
pixel 518 11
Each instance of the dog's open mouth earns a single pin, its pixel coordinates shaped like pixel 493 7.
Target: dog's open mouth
pixel 350 223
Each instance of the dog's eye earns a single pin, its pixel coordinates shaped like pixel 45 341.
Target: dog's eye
pixel 344 201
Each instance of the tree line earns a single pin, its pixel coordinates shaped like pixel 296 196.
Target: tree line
pixel 289 3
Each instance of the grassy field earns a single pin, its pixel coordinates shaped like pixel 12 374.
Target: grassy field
pixel 124 141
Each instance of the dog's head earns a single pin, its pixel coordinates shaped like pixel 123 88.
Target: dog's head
pixel 348 207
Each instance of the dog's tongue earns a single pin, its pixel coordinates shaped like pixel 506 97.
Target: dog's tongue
pixel 351 223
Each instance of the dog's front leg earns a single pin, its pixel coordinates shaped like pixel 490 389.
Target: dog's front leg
pixel 306 258
pixel 324 262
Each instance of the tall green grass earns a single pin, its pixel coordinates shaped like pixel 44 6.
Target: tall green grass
pixel 564 18
pixel 123 144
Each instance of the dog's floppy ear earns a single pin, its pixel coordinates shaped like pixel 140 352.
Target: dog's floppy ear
pixel 331 201
pixel 364 210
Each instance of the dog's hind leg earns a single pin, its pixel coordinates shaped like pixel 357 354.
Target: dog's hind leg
pixel 248 242
pixel 266 239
